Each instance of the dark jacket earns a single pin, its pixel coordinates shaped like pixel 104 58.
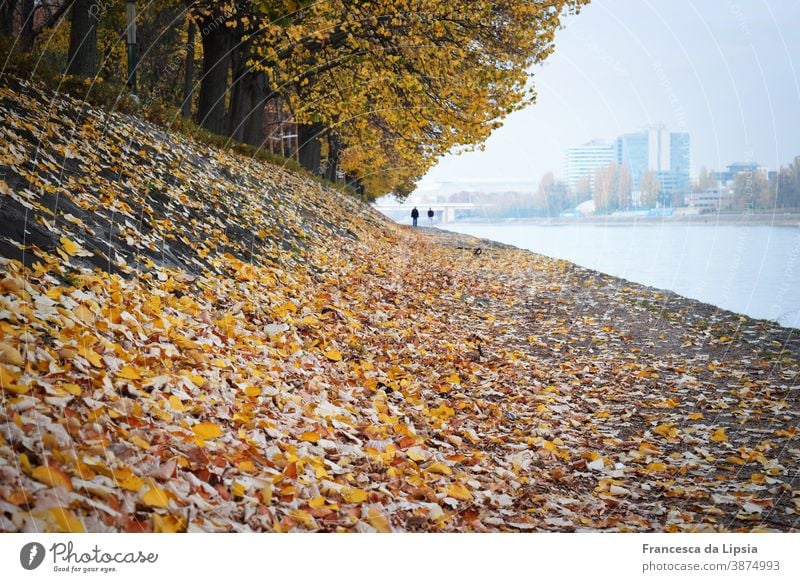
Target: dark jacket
pixel 415 213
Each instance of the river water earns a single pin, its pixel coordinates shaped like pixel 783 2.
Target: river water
pixel 752 270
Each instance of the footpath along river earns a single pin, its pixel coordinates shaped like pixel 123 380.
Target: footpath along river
pixel 752 270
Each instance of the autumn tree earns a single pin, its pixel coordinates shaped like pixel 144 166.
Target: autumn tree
pixel 624 187
pixel 650 188
pixel 750 190
pixel 788 185
pixel 398 85
pixel 583 190
pixel 705 180
pixel 604 188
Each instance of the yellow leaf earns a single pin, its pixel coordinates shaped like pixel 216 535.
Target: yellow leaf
pixel 8 381
pixel 352 495
pixel 73 389
pixel 417 454
pixel 92 356
pixel 156 497
pixel 317 502
pixel 167 524
pixel 63 520
pixel 378 521
pixel 129 373
pixel 719 436
pixel 666 430
pixel 696 416
pixel 310 436
pixel 10 355
pixel 140 442
pixel 333 355
pixel 238 489
pixel 176 404
pixel 266 494
pixel 131 483
pixel 301 516
pixel 70 247
pixel 453 379
pixel 252 391
pixel 459 491
pixel 207 430
pixel 52 477
pixel 656 467
pixel 246 466
pixel 440 468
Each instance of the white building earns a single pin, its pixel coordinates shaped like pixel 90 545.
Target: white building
pixel 585 159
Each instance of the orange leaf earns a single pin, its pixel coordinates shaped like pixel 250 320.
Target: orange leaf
pixel 719 436
pixel 52 477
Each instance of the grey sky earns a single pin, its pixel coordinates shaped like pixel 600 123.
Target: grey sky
pixel 727 71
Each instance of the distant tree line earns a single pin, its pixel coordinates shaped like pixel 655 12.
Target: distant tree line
pixel 759 190
pixel 377 90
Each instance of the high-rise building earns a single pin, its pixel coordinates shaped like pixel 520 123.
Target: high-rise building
pixel 583 160
pixel 660 151
pixel 632 150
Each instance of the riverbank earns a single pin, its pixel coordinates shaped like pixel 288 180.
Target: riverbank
pixel 194 341
pixel 790 219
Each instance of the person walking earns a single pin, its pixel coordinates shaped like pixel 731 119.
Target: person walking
pixel 430 216
pixel 415 215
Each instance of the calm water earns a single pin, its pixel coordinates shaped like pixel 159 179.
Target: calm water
pixel 754 270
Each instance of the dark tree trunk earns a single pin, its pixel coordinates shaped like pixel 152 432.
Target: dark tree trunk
pixel 82 56
pixel 214 84
pixel 310 146
pixel 254 122
pixel 7 8
pixel 248 98
pixel 188 77
pixel 332 164
pixel 26 32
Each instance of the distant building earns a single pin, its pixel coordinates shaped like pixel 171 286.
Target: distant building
pixel 632 149
pixel 583 160
pixel 710 200
pixel 658 150
pixel 729 176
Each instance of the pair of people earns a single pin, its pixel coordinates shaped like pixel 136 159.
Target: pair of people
pixel 415 215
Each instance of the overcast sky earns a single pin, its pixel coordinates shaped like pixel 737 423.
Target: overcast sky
pixel 726 71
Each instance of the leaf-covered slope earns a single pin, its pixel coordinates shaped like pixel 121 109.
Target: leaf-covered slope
pixel 195 341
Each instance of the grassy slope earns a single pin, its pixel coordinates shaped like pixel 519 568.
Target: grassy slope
pixel 199 341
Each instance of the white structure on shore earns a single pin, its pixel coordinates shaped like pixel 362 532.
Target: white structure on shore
pixel 582 161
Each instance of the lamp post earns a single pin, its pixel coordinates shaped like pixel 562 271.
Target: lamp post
pixel 130 13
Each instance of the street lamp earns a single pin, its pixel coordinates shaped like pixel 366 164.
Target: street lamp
pixel 130 13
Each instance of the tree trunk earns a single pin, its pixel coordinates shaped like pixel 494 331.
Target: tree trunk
pixel 26 31
pixel 188 77
pixel 7 8
pixel 254 122
pixel 332 164
pixel 310 146
pixel 248 98
pixel 82 56
pixel 214 84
